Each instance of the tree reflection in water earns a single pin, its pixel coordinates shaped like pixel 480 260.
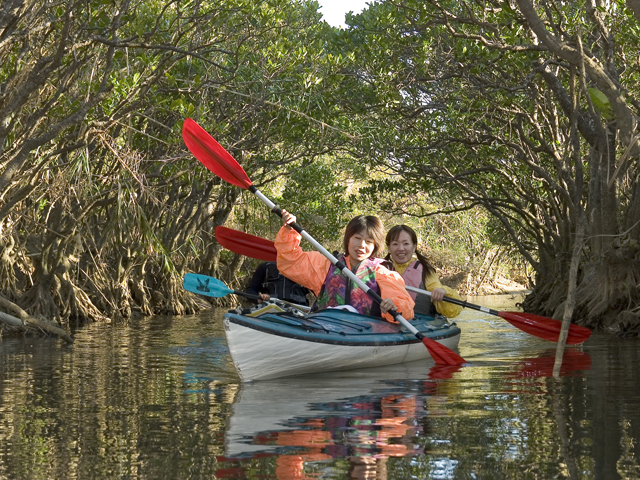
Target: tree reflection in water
pixel 163 396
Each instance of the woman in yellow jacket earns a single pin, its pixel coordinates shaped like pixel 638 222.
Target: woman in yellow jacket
pixel 402 242
pixel 363 241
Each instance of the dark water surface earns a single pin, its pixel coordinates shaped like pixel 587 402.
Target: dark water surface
pixel 159 399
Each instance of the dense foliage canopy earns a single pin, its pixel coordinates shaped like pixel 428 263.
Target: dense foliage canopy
pixel 529 110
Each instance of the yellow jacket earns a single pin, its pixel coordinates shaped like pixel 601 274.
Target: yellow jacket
pixel 447 309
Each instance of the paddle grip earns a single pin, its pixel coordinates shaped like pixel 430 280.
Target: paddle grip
pixel 278 211
pixel 393 312
pixel 338 263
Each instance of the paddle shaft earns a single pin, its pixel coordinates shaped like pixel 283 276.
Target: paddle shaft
pixel 257 298
pixel 456 301
pixel 334 261
pixel 246 295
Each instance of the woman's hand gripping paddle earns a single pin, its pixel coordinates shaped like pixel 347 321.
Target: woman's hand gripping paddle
pixel 211 154
pixel 541 327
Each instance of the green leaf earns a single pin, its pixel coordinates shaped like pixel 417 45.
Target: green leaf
pixel 601 103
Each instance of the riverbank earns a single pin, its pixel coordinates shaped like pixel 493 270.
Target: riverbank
pixel 468 284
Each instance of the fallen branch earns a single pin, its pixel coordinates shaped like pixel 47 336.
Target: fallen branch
pixel 26 320
pixel 12 321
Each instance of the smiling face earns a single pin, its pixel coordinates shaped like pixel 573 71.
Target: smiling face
pixel 402 248
pixel 361 246
pixel 363 237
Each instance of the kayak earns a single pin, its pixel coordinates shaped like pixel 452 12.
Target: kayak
pixel 268 342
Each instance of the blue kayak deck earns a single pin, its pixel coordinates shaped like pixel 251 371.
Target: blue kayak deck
pixel 341 327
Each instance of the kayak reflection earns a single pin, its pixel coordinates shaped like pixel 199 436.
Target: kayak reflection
pixel 365 416
pixel 300 427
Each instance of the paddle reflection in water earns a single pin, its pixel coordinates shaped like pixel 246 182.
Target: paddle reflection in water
pixel 573 362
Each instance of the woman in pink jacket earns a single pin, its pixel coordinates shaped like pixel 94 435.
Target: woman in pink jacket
pixel 363 241
pixel 402 242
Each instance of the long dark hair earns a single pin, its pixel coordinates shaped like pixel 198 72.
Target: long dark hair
pixel 394 233
pixel 372 226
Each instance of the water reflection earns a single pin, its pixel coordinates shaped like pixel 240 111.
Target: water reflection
pixel 363 412
pixel 159 398
pixel 574 362
pixel 364 417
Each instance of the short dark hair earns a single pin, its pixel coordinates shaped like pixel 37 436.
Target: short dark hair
pixel 372 226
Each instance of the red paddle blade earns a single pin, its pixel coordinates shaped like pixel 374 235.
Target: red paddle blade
pixel 245 244
pixel 211 154
pixel 442 355
pixel 545 328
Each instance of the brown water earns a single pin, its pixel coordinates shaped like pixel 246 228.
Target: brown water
pixel 159 399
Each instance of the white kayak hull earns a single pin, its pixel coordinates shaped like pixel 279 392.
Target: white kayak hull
pixel 260 352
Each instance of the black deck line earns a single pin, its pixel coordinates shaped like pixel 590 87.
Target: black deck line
pixel 334 321
pixel 347 323
pixel 299 323
pixel 300 320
